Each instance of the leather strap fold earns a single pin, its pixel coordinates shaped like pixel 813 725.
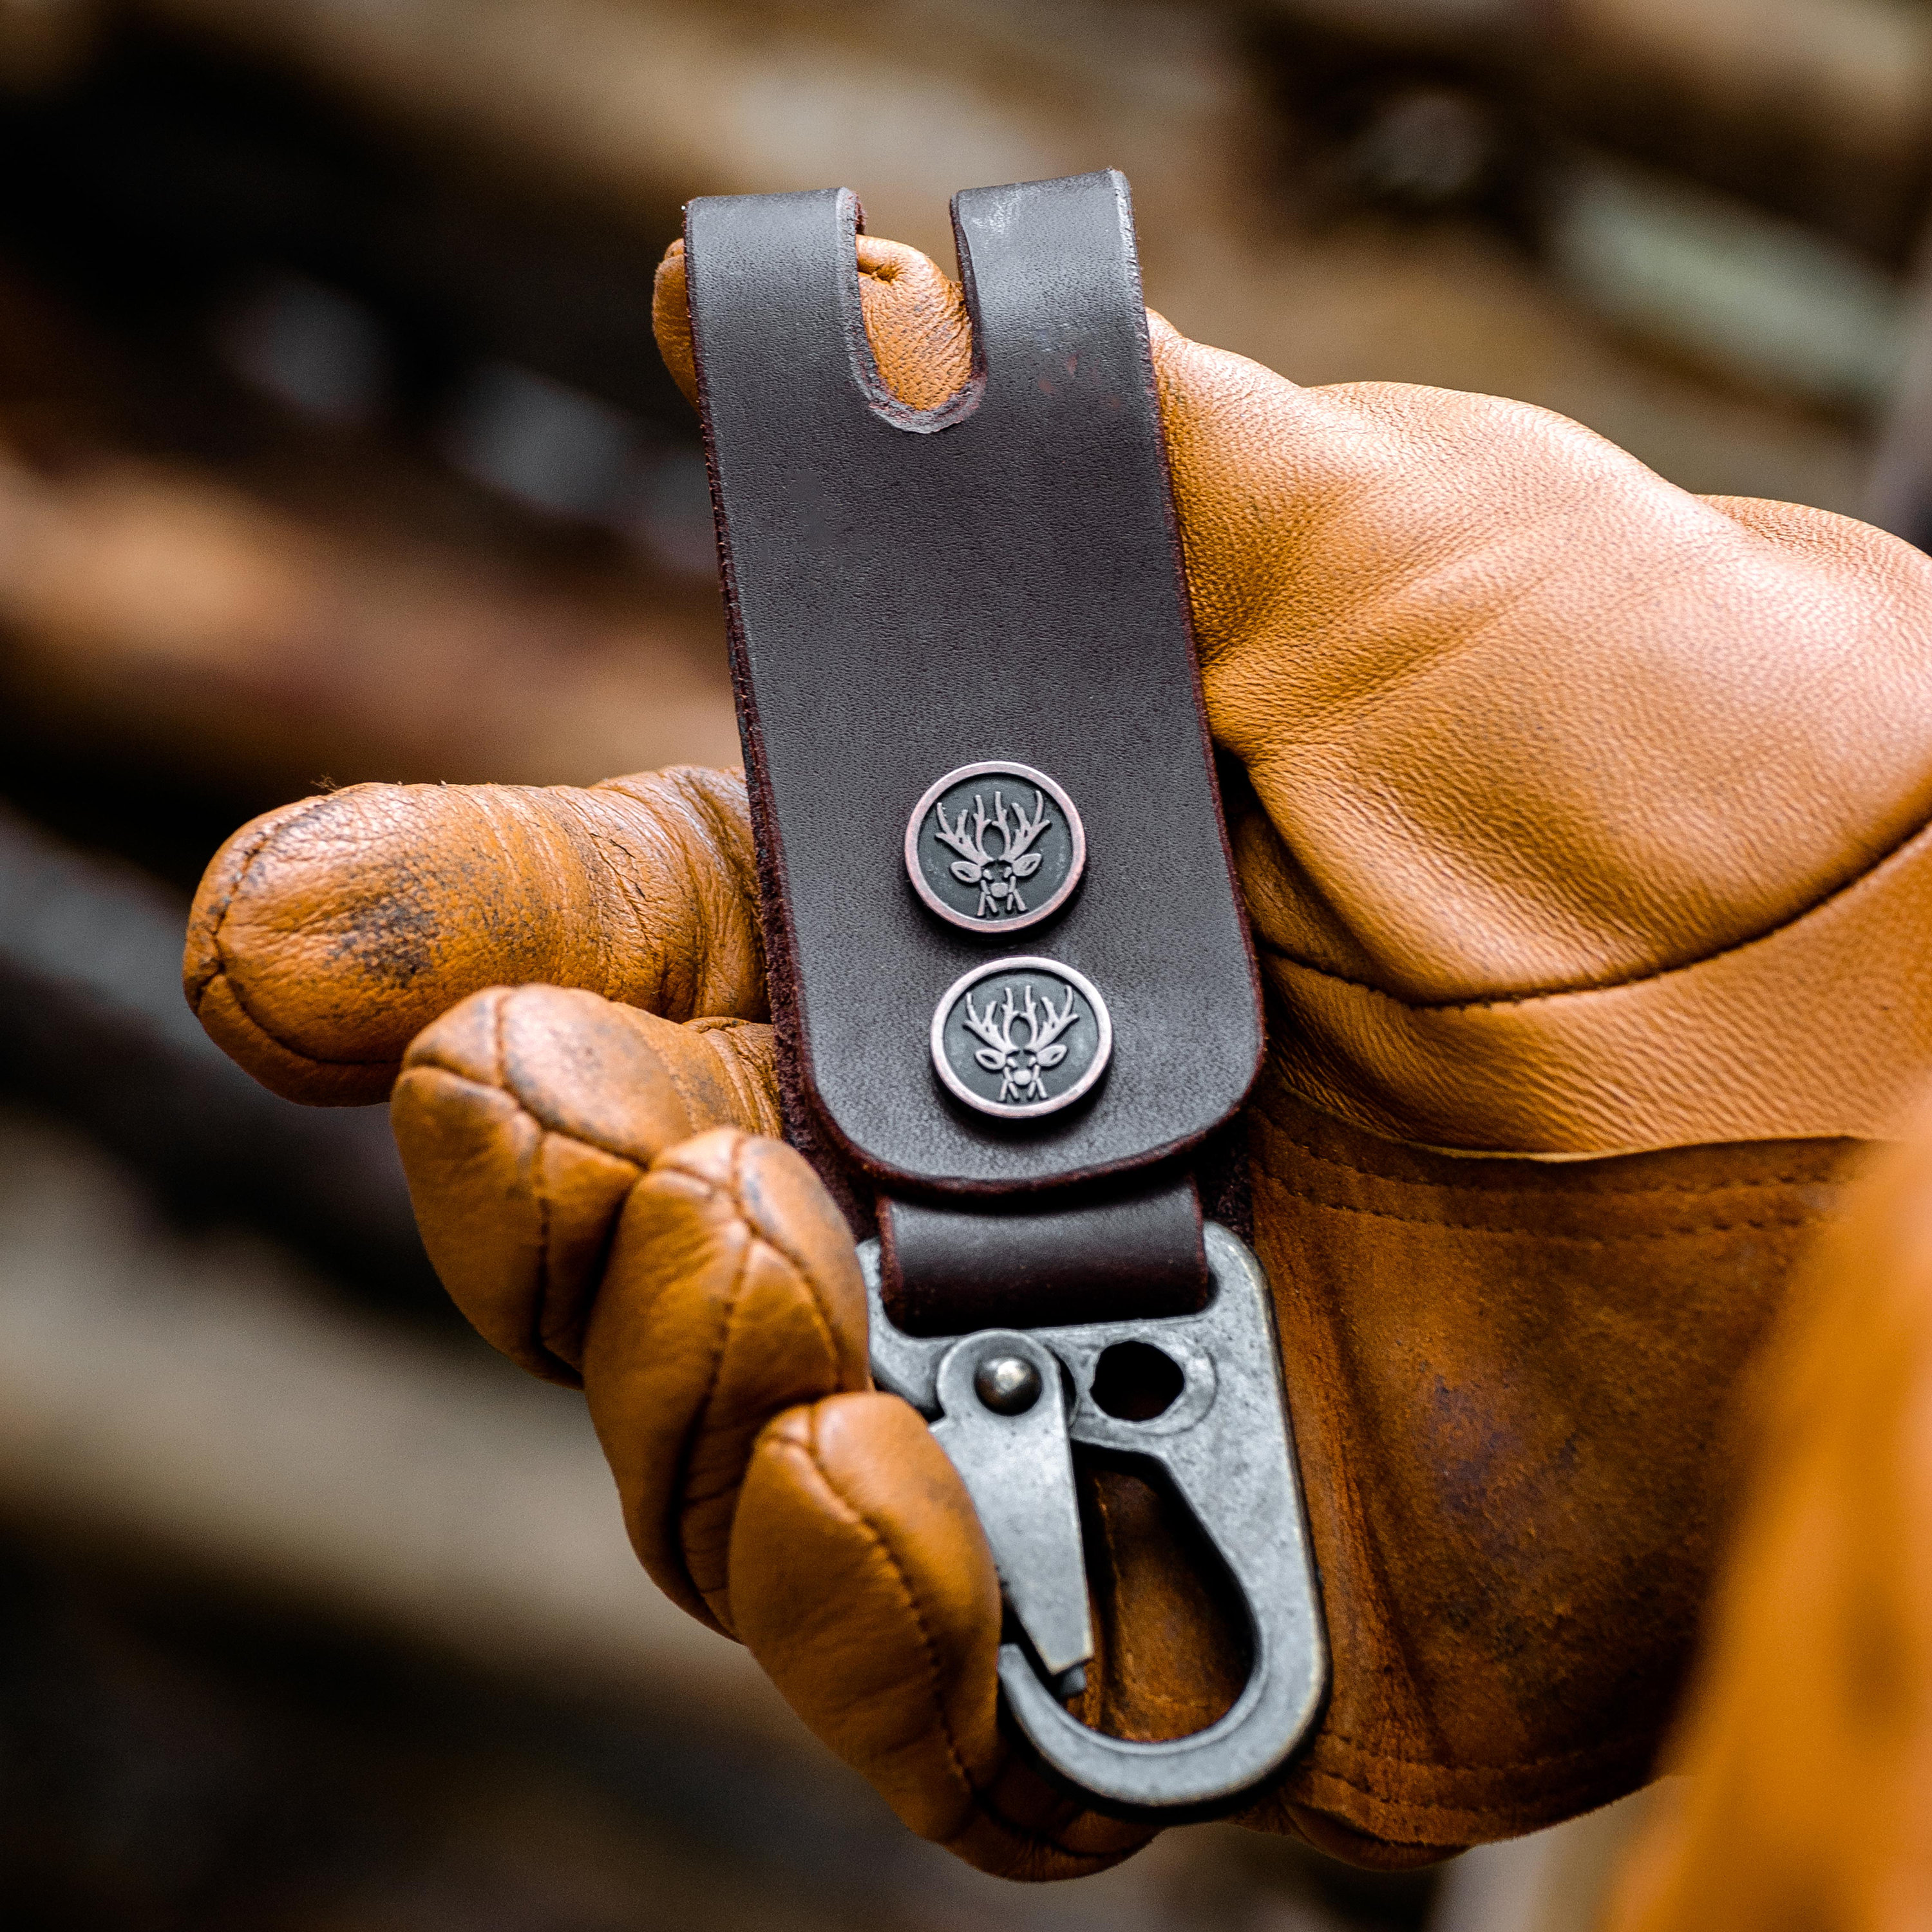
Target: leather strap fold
pixel 1137 1254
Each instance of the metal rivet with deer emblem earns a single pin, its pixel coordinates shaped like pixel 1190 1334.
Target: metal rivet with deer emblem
pixel 995 847
pixel 1022 1037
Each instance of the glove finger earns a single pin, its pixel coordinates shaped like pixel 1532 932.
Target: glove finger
pixel 1809 1724
pixel 732 1294
pixel 915 319
pixel 862 1582
pixel 526 1117
pixel 327 934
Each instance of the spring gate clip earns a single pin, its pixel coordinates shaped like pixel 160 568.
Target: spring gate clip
pixel 1008 1405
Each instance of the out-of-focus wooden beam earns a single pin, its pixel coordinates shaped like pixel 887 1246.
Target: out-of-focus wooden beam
pixel 197 1396
pixel 172 606
pixel 656 99
pixel 164 608
pixel 1820 109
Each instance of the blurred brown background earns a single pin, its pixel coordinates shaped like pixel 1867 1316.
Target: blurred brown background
pixel 333 446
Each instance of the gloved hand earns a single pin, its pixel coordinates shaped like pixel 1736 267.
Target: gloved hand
pixel 1809 1732
pixel 1581 839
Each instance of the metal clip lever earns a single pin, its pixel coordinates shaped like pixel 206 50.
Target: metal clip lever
pixel 1004 1426
pixel 1224 1444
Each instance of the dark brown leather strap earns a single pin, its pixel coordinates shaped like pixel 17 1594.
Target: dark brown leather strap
pixel 961 644
pixel 1035 1266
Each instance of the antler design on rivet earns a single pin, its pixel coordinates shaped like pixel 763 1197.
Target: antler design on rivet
pixel 1021 1067
pixel 997 875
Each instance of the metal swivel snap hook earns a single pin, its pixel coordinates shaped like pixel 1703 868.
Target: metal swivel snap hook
pixel 1007 1405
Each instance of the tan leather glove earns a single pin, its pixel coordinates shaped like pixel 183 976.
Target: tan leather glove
pixel 1808 1738
pixel 1583 848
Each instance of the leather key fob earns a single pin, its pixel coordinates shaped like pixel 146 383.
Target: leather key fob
pixel 1009 966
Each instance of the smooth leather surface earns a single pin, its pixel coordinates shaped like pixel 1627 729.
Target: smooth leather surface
pixel 910 595
pixel 1525 725
pixel 948 1269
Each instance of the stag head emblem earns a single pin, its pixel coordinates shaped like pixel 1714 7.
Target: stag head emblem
pixel 1022 1064
pixel 997 871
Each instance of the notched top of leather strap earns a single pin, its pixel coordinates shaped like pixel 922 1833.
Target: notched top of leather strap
pixel 884 402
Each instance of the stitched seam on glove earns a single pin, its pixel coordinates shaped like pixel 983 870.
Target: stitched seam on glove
pixel 1549 1234
pixel 758 1236
pixel 1553 1192
pixel 1502 1002
pixel 499 1077
pixel 755 1239
pixel 594 1270
pixel 1557 1794
pixel 544 1208
pixel 982 1803
pixel 856 1518
pixel 827 1332
pixel 674 1074
pixel 274 1038
pixel 1582 1754
pixel 679 1488
pixel 221 915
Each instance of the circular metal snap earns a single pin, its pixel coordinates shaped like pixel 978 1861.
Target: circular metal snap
pixel 1007 1384
pixel 1021 1037
pixel 995 847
